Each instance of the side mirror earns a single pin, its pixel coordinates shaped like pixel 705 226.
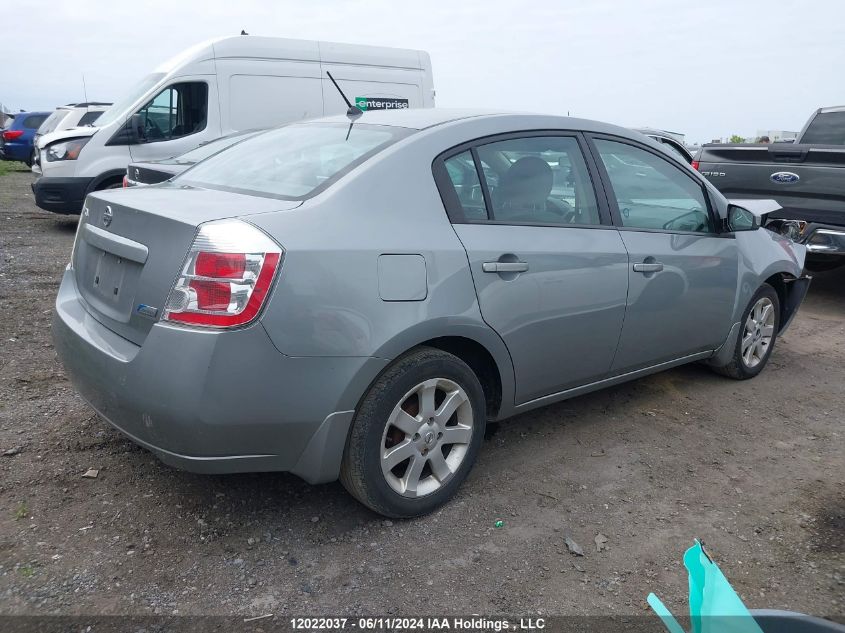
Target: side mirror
pixel 740 219
pixel 130 133
pixel 136 129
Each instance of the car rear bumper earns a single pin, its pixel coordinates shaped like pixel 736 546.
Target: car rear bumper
pixel 213 402
pixel 15 151
pixel 61 195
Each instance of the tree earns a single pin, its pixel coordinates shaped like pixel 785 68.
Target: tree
pixel 736 138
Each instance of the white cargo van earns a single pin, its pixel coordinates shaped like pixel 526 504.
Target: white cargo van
pixel 220 87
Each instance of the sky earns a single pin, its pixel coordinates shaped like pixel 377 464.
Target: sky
pixel 706 68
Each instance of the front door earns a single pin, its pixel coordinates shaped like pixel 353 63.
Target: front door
pixel 549 269
pixel 682 273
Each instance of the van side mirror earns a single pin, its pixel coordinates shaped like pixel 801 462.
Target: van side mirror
pixel 136 127
pixel 740 219
pixel 130 133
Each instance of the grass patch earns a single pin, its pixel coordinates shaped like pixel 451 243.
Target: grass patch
pixel 26 570
pixel 22 511
pixel 8 166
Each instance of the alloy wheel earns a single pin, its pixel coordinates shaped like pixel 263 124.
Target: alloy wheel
pixel 426 437
pixel 759 332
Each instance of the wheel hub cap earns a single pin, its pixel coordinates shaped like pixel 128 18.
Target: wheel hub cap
pixel 426 437
pixel 759 332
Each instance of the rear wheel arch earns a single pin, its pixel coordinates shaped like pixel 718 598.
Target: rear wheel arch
pixel 482 363
pixel 475 344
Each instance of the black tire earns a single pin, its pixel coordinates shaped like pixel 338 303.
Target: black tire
pixel 361 472
pixel 737 368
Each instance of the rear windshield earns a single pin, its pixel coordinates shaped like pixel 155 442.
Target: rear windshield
pixel 52 121
pixel 828 128
pixel 293 162
pixel 212 147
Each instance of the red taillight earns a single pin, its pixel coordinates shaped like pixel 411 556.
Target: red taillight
pixel 11 135
pixel 212 295
pixel 125 182
pixel 228 265
pixel 695 165
pixel 227 276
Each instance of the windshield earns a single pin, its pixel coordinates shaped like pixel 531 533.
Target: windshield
pixel 52 121
pixel 828 128
pixel 212 147
pixel 119 109
pixel 293 162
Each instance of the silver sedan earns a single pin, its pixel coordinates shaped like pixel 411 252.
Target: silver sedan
pixel 355 299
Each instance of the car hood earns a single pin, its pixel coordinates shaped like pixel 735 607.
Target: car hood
pixel 74 132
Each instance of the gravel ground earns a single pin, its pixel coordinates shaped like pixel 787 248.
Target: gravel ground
pixel 754 469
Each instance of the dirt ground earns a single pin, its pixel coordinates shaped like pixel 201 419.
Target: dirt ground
pixel 754 469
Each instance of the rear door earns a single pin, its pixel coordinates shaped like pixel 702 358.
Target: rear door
pixel 683 273
pixel 549 269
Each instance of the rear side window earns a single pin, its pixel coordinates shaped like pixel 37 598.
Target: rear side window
pixel 293 162
pixel 178 110
pixel 539 180
pixel 34 121
pixel 827 128
pixel 88 118
pixel 464 177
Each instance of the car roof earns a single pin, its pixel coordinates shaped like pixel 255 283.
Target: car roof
pixel 414 118
pixel 423 118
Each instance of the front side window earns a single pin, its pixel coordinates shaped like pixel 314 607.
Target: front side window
pixel 538 180
pixel 651 192
pixel 178 110
pixel 292 162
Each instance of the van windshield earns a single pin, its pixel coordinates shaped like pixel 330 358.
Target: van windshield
pixel 293 162
pixel 119 110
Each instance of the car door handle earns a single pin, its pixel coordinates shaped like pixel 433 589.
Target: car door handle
pixel 504 267
pixel 654 267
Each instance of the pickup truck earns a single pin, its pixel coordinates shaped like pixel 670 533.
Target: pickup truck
pixel 807 179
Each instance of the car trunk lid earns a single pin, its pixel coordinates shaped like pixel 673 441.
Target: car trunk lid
pixel 132 243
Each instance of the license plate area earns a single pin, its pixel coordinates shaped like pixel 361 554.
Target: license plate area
pixel 111 283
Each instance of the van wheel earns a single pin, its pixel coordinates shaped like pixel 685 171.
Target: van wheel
pixel 416 434
pixel 115 184
pixel 760 324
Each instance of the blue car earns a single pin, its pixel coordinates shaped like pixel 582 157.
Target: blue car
pixel 16 139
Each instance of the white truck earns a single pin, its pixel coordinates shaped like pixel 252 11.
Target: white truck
pixel 219 87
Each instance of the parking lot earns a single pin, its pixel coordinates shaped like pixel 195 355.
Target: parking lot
pixel 754 469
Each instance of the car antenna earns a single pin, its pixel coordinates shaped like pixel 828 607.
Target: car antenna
pixel 353 111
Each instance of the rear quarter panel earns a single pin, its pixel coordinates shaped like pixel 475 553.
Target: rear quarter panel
pixel 327 302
